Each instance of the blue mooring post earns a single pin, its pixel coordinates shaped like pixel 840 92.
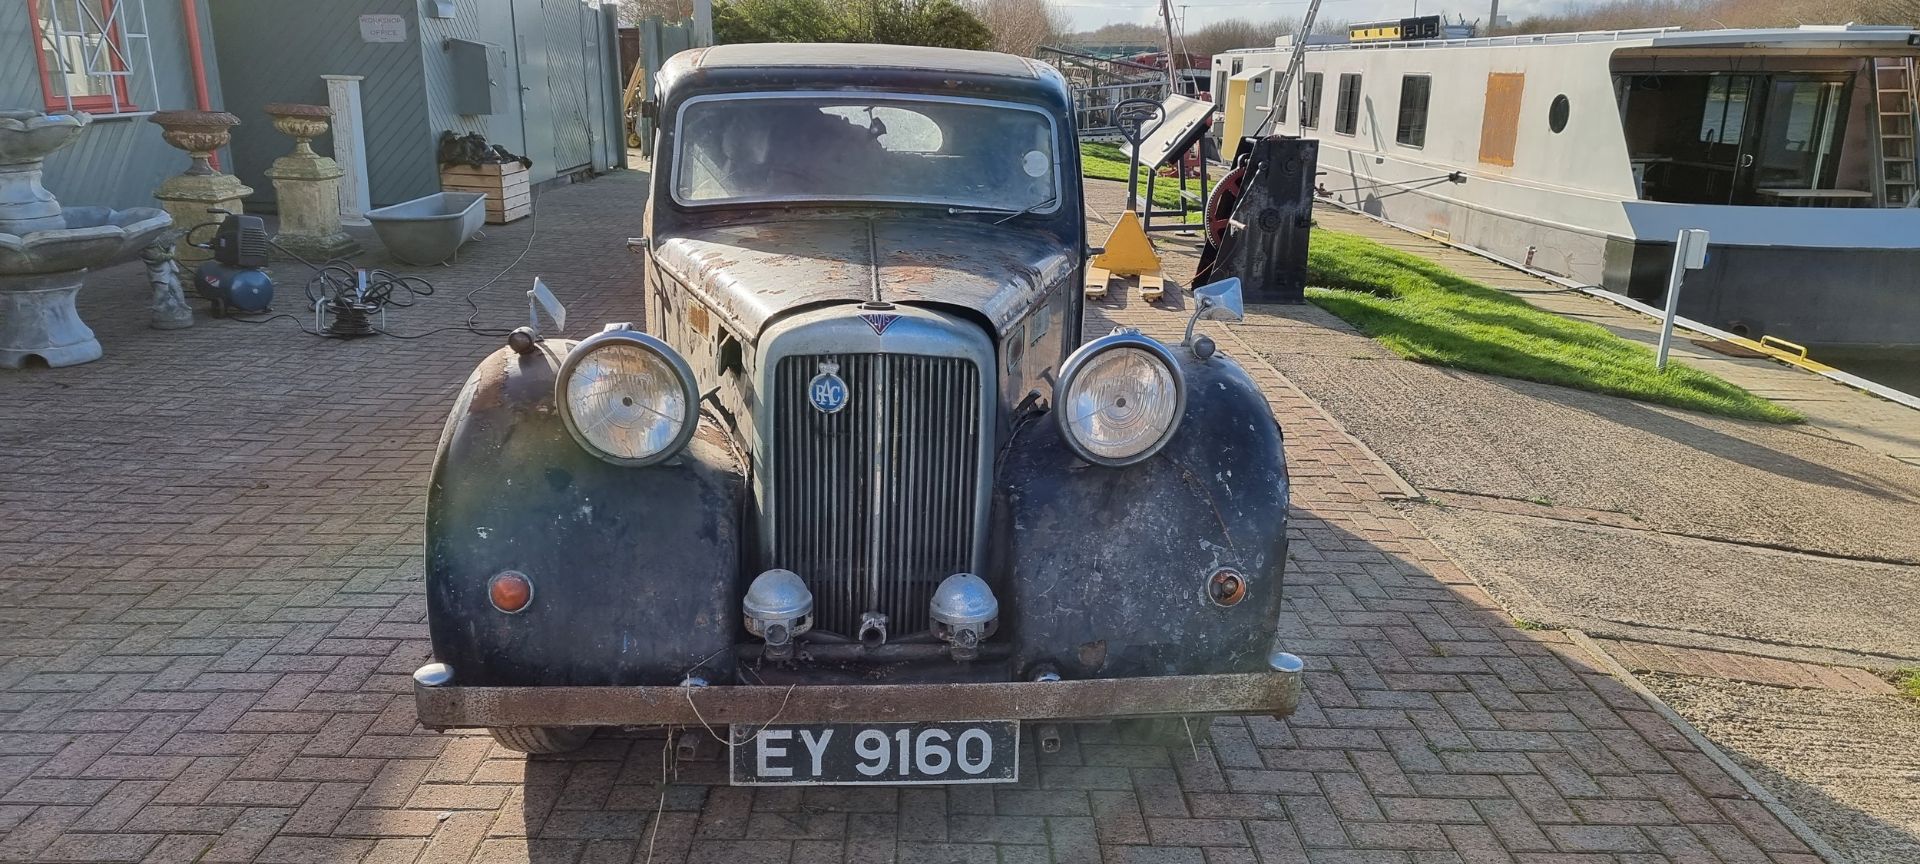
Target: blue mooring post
pixel 1689 253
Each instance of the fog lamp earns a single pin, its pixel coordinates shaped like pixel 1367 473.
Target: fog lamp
pixel 964 613
pixel 778 607
pixel 510 591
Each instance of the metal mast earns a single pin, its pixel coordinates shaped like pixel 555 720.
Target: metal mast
pixel 1166 17
pixel 1285 85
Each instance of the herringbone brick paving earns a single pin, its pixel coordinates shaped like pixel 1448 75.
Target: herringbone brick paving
pixel 210 594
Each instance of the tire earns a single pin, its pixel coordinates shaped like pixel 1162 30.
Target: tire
pixel 542 739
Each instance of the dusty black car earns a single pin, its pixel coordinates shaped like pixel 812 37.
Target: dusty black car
pixel 860 488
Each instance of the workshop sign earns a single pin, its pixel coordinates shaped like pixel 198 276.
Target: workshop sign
pixel 383 28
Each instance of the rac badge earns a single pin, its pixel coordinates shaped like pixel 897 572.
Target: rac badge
pixel 827 391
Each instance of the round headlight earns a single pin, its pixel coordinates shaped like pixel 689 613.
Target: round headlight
pixel 627 397
pixel 1120 398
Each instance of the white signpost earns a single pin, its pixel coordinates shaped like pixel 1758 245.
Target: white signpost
pixel 1689 253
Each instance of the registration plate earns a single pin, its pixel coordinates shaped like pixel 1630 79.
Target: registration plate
pixel 818 754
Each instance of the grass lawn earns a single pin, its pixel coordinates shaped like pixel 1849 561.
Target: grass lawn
pixel 1109 162
pixel 1424 312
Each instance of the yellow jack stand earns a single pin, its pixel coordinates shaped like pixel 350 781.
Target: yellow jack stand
pixel 1128 252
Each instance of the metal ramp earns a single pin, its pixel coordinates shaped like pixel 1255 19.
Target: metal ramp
pixel 1893 99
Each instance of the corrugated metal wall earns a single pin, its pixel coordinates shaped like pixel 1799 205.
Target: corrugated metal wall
pixel 118 161
pixel 556 52
pixel 276 51
pixel 490 23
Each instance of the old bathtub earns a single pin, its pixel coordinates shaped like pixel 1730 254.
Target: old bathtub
pixel 429 230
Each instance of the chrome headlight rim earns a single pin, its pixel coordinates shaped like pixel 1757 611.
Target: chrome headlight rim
pixel 1078 362
pixel 623 336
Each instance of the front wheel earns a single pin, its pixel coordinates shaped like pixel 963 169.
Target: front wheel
pixel 542 739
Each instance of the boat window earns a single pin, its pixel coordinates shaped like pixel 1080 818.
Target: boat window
pixel 1770 138
pixel 1310 87
pixel 1557 114
pixel 1414 91
pixel 1500 121
pixel 1346 111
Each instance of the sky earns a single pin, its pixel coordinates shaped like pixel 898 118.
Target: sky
pixel 1089 14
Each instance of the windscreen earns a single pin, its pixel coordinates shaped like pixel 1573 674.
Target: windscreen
pixel 865 148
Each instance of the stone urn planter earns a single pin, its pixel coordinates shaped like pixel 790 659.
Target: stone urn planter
pixel 45 249
pixel 302 123
pixel 199 133
pixel 307 186
pixel 188 196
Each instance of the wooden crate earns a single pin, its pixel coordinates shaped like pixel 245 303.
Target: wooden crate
pixel 509 194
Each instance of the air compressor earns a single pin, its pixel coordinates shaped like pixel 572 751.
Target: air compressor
pixel 235 279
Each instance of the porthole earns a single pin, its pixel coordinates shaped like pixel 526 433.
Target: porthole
pixel 1557 113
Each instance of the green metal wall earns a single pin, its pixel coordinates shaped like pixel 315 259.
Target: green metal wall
pixel 276 51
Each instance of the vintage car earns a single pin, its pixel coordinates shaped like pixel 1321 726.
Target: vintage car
pixel 855 485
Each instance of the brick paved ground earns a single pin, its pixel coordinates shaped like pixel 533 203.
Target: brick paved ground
pixel 209 604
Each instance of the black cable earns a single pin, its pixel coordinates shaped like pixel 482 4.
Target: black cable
pixel 354 308
pixel 533 203
pixel 296 322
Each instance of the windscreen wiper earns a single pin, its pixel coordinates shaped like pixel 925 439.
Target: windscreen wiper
pixel 1011 213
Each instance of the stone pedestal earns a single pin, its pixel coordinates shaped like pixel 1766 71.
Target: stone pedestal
pixel 187 197
pixel 307 186
pixel 349 146
pixel 38 319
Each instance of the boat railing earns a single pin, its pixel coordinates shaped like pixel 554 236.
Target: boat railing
pixel 1485 41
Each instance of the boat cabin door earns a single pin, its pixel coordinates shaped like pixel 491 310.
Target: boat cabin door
pixel 1792 148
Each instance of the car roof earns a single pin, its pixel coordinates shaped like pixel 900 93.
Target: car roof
pixel 790 54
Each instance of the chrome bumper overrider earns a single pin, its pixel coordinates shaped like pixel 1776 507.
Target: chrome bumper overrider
pixel 442 704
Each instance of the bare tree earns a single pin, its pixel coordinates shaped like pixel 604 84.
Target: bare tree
pixel 1119 34
pixel 1021 26
pixel 634 11
pixel 1713 14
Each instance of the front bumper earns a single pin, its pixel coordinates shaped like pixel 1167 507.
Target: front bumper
pixel 442 704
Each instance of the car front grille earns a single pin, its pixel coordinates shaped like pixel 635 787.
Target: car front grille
pixel 873 505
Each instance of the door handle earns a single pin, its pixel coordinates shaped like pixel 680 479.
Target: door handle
pixel 1746 160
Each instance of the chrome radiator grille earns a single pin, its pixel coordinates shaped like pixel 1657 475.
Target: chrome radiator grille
pixel 875 504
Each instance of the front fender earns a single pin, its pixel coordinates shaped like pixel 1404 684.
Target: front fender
pixel 1109 566
pixel 635 570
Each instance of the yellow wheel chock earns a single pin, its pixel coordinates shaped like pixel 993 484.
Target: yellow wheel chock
pixel 1127 252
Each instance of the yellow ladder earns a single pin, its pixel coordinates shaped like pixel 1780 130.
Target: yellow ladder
pixel 1893 99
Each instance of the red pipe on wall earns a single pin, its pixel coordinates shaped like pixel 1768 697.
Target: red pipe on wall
pixel 190 17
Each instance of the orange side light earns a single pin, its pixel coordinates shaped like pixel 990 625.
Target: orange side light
pixel 511 591
pixel 1226 587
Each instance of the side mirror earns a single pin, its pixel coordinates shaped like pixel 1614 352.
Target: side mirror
pixel 1216 301
pixel 1220 301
